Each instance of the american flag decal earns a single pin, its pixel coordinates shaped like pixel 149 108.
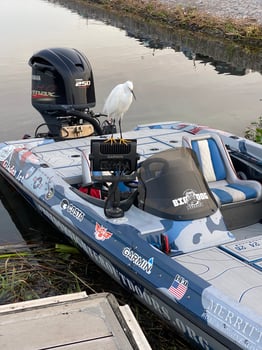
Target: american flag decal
pixel 179 287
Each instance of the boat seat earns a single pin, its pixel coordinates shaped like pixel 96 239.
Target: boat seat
pixel 219 172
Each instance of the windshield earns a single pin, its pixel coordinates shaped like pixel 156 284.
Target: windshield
pixel 172 186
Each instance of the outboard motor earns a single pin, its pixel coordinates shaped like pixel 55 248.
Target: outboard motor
pixel 63 92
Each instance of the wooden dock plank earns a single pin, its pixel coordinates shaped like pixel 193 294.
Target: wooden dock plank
pixel 99 344
pixel 62 323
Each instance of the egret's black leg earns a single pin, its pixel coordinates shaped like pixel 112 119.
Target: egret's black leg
pixel 120 129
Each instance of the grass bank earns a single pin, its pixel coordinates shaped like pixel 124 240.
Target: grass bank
pixel 246 32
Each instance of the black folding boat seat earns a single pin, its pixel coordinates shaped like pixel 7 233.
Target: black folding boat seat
pixel 220 174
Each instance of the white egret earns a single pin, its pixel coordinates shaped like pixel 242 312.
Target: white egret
pixel 118 102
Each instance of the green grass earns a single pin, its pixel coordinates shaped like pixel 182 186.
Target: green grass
pixel 26 276
pixel 254 131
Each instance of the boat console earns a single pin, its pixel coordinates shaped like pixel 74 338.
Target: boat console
pixel 115 163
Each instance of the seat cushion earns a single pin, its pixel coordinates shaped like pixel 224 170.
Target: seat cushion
pixel 210 159
pixel 230 193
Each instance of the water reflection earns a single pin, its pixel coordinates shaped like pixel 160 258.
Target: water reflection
pixel 226 57
pixel 220 67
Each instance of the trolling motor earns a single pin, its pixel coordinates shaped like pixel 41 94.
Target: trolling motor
pixel 63 92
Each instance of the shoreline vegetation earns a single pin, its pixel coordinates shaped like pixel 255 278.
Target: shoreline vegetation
pixel 254 131
pixel 246 32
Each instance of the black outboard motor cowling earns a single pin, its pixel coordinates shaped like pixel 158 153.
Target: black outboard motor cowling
pixel 62 82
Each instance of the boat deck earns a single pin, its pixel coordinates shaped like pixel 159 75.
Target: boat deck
pixel 73 321
pixel 225 266
pixel 65 157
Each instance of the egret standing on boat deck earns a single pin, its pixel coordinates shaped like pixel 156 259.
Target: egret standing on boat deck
pixel 118 102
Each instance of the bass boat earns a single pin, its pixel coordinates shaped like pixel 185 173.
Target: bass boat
pixel 172 211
